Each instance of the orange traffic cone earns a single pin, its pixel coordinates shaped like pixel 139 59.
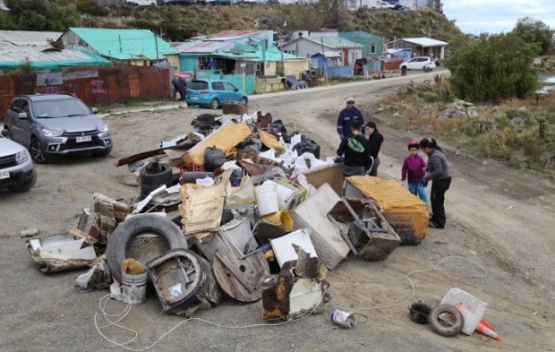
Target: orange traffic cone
pixel 488 330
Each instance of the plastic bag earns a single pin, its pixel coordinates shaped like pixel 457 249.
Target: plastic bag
pixel 214 158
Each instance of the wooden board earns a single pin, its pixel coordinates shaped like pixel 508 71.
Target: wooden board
pixel 239 277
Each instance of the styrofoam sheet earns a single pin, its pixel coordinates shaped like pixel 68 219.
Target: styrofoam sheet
pixel 283 246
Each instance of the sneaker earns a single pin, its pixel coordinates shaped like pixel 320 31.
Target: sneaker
pixel 433 225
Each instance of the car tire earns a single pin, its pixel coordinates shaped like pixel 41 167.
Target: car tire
pixel 243 101
pixel 153 176
pixel 214 104
pixel 131 229
pixel 442 328
pixel 24 187
pixel 37 153
pixel 102 153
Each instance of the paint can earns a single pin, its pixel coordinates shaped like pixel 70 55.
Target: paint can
pixel 344 319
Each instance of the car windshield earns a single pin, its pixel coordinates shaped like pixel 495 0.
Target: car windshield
pixel 60 108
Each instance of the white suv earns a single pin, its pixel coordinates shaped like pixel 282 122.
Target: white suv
pixel 17 172
pixel 425 63
pixel 141 2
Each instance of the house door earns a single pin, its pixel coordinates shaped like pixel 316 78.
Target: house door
pixel 346 57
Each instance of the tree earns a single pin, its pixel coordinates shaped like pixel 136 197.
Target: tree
pixel 534 31
pixel 493 67
pixel 333 12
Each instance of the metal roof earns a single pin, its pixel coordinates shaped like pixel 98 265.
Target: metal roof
pixel 425 42
pixel 16 40
pixel 327 53
pixel 49 59
pixel 234 34
pixel 207 47
pixel 125 44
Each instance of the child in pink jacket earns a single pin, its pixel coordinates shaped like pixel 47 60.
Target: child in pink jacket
pixel 414 168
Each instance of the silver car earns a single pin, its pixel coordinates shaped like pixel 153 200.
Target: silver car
pixel 56 124
pixel 17 172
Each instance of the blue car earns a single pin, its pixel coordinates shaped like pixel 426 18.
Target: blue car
pixel 213 93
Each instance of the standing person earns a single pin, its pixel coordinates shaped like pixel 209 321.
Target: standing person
pixel 346 117
pixel 413 170
pixel 375 140
pixel 439 172
pixel 354 149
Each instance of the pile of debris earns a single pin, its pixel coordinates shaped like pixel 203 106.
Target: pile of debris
pixel 236 206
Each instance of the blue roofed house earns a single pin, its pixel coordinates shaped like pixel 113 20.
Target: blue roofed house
pixel 137 47
pixel 42 51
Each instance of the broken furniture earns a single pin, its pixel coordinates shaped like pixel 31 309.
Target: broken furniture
pixel 369 233
pixel 406 213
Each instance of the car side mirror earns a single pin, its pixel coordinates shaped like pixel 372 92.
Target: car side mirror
pixel 22 116
pixel 94 110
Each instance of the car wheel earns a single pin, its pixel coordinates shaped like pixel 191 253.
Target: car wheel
pixel 243 101
pixel 37 153
pixel 7 133
pixel 153 176
pixel 101 153
pixel 142 228
pixel 214 104
pixel 24 187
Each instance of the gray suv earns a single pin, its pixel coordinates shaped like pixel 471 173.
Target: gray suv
pixel 56 124
pixel 17 172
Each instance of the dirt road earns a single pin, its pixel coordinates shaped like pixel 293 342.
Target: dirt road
pixel 498 245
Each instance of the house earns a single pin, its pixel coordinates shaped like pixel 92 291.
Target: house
pixel 421 46
pixel 42 51
pixel 304 45
pixel 137 47
pixel 372 45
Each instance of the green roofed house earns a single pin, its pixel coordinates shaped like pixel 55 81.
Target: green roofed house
pixel 137 47
pixel 42 51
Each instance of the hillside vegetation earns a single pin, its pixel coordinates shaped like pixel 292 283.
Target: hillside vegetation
pixel 176 23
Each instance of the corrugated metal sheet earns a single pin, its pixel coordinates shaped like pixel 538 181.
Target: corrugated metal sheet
pixel 124 44
pixel 336 42
pixel 14 40
pixel 205 47
pixel 49 59
pixel 234 34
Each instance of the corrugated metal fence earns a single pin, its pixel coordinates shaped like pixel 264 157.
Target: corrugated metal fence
pixel 95 87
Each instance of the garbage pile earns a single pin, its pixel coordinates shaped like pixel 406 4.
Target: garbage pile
pixel 237 207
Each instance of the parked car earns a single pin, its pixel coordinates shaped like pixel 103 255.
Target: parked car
pixel 17 172
pixel 141 2
pixel 177 2
pixel 213 93
pixel 56 124
pixel 425 63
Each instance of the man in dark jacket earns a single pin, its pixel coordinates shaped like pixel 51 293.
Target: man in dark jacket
pixel 346 117
pixel 354 150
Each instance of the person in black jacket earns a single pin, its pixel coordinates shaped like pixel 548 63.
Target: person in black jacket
pixel 347 117
pixel 375 140
pixel 354 151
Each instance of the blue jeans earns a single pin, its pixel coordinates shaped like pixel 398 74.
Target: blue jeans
pixel 418 190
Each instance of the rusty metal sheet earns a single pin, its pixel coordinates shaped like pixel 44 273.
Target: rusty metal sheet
pixel 202 207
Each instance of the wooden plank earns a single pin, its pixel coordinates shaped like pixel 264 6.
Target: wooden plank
pixel 240 278
pixel 139 156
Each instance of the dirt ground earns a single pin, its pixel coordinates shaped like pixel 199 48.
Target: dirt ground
pixel 497 246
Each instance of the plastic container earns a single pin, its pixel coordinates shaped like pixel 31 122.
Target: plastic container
pixel 266 198
pixel 287 197
pixel 133 287
pixel 474 308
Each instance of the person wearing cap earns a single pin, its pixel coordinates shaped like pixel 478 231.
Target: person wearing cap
pixel 413 170
pixel 346 117
pixel 355 152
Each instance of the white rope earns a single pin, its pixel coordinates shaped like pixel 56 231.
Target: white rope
pixel 108 317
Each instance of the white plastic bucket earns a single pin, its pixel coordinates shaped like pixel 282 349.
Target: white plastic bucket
pixel 133 287
pixel 266 198
pixel 287 197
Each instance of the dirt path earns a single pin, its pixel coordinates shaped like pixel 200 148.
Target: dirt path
pixel 499 220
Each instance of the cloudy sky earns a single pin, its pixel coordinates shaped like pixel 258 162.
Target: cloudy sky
pixel 496 16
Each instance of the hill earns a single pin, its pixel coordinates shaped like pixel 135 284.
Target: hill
pixel 177 23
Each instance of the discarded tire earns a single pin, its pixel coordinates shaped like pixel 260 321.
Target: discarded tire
pixel 449 325
pixel 153 176
pixel 419 313
pixel 146 228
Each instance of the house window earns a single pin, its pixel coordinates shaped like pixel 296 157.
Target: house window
pixel 291 52
pixel 372 48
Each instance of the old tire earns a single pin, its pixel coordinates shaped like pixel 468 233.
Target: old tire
pixel 444 328
pixel 131 229
pixel 155 175
pixel 37 153
pixel 419 313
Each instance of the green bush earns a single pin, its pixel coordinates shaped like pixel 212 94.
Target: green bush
pixel 493 68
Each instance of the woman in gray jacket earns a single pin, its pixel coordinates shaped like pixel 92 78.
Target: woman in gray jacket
pixel 438 171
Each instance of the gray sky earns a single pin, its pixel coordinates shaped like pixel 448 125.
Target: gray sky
pixel 496 16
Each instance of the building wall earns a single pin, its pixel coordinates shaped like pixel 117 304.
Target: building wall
pixel 303 48
pixel 366 40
